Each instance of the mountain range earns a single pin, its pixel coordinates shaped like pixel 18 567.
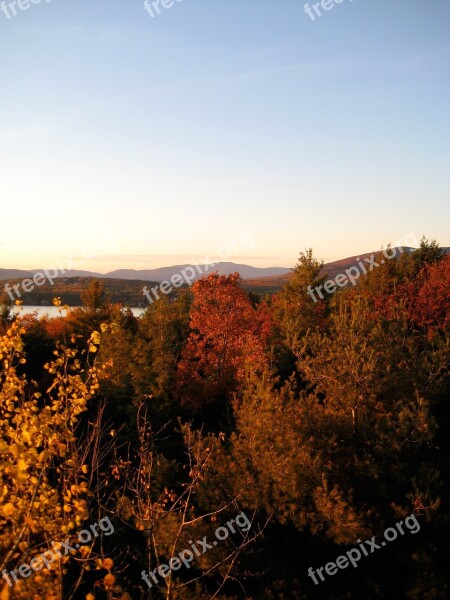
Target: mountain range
pixel 271 275
pixel 158 275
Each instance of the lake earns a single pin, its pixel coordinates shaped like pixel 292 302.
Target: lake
pixel 53 311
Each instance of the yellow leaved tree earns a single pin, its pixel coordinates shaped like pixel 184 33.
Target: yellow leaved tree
pixel 43 481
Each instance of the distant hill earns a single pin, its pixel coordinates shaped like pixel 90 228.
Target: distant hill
pixel 10 274
pixel 223 268
pixel 69 289
pixel 339 266
pixel 157 275
pixel 273 275
pixel 268 285
pixel 77 273
pixel 6 274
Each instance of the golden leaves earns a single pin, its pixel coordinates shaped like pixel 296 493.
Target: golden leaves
pixel 36 439
pixel 108 563
pixel 109 580
pixel 8 510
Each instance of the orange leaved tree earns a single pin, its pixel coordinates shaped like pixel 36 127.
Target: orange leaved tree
pixel 225 345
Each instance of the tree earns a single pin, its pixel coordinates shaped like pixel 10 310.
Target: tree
pixel 43 483
pixel 6 313
pixel 95 311
pixel 158 500
pixel 296 313
pixel 94 298
pixel 226 343
pixel 161 336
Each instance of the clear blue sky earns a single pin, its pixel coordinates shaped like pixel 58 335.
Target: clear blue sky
pixel 171 136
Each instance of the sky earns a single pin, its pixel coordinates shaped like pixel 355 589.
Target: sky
pixel 132 141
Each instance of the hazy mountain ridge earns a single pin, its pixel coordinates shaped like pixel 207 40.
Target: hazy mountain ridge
pixel 10 274
pixel 223 268
pixel 272 276
pixel 160 274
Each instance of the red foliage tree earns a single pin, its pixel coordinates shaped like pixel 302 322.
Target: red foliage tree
pixel 429 304
pixel 226 342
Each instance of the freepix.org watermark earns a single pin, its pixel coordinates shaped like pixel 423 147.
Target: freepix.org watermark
pixel 314 10
pixel 185 557
pixel 353 273
pixel 64 265
pixel 189 273
pixel 354 555
pixel 9 9
pixel 154 7
pixel 58 550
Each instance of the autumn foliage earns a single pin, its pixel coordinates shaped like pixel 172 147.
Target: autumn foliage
pixel 226 342
pixel 325 422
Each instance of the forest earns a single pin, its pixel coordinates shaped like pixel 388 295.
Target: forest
pixel 227 442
